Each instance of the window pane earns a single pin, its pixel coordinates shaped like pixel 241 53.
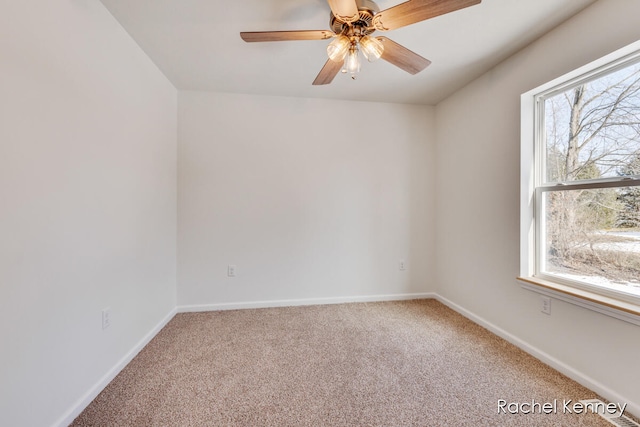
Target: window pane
pixel 593 130
pixel 593 236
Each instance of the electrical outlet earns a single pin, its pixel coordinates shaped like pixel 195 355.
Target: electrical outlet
pixel 402 265
pixel 106 318
pixel 546 305
pixel 231 271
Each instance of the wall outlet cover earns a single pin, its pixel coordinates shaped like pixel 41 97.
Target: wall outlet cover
pixel 106 318
pixel 232 271
pixel 546 304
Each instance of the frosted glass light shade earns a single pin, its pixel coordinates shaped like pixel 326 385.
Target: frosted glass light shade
pixel 372 48
pixel 352 64
pixel 338 48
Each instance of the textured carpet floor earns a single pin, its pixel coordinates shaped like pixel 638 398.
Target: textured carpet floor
pixel 409 363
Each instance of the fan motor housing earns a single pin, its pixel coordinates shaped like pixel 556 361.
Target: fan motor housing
pixel 367 9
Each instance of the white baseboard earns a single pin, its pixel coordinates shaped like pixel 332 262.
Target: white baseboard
pixel 298 302
pixel 597 387
pixel 577 376
pixel 85 400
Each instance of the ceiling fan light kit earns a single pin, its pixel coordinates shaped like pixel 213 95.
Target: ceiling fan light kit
pixel 348 47
pixel 353 21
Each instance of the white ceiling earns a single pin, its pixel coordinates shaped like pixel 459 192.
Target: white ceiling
pixel 196 43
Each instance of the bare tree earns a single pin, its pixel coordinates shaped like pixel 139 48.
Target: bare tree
pixel 592 131
pixel 603 125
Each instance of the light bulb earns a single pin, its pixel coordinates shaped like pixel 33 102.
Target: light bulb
pixel 338 48
pixel 352 64
pixel 372 48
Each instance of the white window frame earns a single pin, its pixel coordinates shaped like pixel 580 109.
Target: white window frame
pixel 623 306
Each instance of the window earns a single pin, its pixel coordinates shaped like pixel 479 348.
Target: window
pixel 580 203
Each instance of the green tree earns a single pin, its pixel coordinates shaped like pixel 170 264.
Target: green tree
pixel 629 198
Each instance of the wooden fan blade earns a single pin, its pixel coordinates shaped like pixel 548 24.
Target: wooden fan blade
pixel 344 10
pixel 414 11
pixel 328 72
pixel 280 36
pixel 402 57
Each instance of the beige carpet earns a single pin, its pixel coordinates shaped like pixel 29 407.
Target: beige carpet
pixel 410 363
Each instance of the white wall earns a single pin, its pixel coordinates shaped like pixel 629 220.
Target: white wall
pixel 307 201
pixel 478 204
pixel 88 133
pixel 308 198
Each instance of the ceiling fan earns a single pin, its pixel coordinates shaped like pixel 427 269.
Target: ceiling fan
pixel 353 21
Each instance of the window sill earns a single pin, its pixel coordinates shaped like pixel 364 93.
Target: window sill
pixel 621 310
